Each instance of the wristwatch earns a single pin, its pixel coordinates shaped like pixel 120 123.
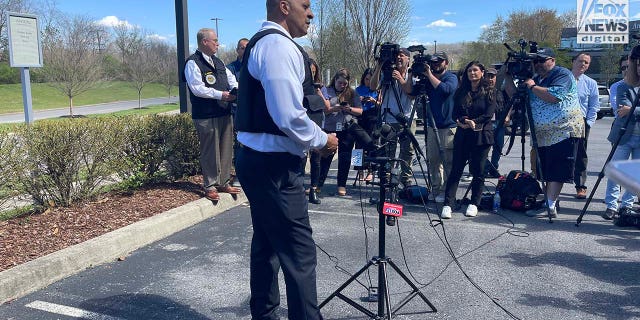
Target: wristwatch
pixel 531 87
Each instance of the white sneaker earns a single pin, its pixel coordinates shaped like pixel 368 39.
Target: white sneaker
pixel 472 211
pixel 440 198
pixel 446 212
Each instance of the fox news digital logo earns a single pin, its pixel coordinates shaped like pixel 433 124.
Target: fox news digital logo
pixel 603 21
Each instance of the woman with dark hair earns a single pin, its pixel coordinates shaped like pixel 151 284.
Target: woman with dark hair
pixel 474 105
pixel 314 155
pixel 370 108
pixel 344 107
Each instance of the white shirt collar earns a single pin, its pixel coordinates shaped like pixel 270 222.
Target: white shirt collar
pixel 273 25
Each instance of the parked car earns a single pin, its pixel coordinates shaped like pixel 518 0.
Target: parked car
pixel 605 106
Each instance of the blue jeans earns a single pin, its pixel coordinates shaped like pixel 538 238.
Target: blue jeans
pixel 623 151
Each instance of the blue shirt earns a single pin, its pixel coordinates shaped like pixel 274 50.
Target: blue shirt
pixel 613 97
pixel 364 91
pixel 441 100
pixel 588 97
pixel 555 122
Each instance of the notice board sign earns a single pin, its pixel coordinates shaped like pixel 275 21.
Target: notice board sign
pixel 24 40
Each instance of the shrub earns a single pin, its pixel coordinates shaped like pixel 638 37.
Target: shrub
pixel 8 182
pixel 182 146
pixel 66 160
pixel 60 162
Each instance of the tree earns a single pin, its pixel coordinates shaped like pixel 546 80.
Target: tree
pixel 142 65
pixel 70 63
pixel 141 60
pixel 347 32
pixel 541 25
pixel 167 67
pixel 609 65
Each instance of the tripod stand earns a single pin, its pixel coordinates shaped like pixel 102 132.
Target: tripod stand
pixel 385 310
pixel 621 133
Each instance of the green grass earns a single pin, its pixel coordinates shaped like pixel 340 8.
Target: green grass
pixel 152 109
pixel 45 96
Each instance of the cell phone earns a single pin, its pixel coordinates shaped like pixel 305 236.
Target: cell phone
pixel 318 85
pixel 234 91
pixel 344 104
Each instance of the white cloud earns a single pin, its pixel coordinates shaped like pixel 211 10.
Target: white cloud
pixel 157 37
pixel 636 16
pixel 112 21
pixel 484 26
pixel 417 18
pixel 441 24
pixel 448 13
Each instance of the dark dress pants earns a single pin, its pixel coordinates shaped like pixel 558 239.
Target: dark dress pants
pixel 580 173
pixel 281 234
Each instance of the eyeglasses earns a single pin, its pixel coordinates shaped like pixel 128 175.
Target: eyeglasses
pixel 624 68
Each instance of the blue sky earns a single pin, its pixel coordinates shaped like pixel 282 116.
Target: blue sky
pixel 431 20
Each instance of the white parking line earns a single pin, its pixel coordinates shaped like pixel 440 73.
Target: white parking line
pixel 69 311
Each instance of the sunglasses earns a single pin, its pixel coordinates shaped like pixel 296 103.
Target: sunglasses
pixel 542 60
pixel 623 68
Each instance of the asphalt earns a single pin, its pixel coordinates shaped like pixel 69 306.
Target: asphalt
pixel 507 263
pixel 86 109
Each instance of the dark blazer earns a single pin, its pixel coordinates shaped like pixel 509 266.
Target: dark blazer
pixel 480 111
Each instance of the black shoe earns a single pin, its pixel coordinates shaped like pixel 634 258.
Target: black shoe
pixel 608 214
pixel 313 196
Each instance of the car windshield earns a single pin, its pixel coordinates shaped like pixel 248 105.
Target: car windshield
pixel 603 91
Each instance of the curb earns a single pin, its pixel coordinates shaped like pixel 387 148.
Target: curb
pixel 39 273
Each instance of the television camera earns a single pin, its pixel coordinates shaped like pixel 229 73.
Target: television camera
pixel 521 68
pixel 387 55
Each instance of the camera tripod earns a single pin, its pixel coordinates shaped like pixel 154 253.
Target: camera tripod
pixel 385 310
pixel 621 133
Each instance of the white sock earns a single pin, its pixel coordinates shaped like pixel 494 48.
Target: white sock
pixel 551 203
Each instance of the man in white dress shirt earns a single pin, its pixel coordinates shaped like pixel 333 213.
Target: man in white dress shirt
pixel 210 83
pixel 275 133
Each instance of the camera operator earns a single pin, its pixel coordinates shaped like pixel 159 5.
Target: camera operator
pixel 440 86
pixel 557 120
pixel 402 84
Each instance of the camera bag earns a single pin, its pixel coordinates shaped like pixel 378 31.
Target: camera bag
pixel 519 191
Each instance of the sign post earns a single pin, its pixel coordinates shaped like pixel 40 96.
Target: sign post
pixel 24 52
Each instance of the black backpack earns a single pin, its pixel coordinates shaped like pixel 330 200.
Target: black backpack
pixel 519 191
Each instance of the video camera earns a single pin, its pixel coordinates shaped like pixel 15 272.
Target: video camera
pixel 420 60
pixel 521 68
pixel 387 55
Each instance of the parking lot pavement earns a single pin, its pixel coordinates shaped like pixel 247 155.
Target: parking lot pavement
pixel 530 267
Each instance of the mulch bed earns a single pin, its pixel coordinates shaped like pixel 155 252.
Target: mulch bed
pixel 29 237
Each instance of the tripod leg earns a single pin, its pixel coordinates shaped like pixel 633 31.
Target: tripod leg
pixel 348 282
pixel 416 291
pixel 386 299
